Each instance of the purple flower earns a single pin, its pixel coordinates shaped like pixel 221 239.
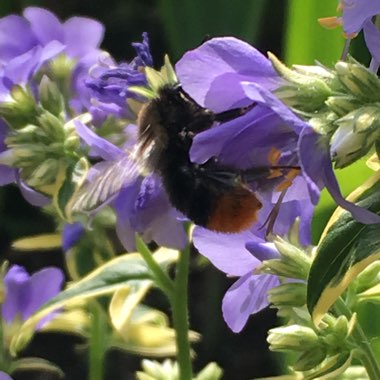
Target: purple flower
pixel 357 12
pixel 141 204
pixel 25 294
pixel 28 42
pixel 111 81
pixel 246 142
pixel 232 255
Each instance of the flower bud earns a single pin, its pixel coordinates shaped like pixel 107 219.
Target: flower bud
pixel 356 134
pixel 21 109
pixel 290 294
pixel 342 104
pixel 211 372
pixel 358 80
pixel 154 370
pixel 50 96
pixel 52 126
pixel 293 263
pixel 292 338
pixel 307 88
pixel 369 277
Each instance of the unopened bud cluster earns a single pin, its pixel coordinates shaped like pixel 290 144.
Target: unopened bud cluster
pixel 343 104
pixel 168 370
pixel 314 345
pixel 40 140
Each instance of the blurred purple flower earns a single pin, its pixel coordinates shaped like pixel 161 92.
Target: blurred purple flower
pixel 141 205
pixel 28 42
pixel 25 294
pixel 111 81
pixel 232 254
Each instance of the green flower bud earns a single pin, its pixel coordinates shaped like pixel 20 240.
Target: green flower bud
pixel 50 96
pixel 358 80
pixel 342 104
pixel 52 126
pixel 290 294
pixel 310 359
pixel 294 262
pixel 211 372
pixel 368 278
pixel 61 66
pixel 154 370
pixel 293 338
pixel 21 109
pixel 72 143
pixel 308 87
pixel 356 134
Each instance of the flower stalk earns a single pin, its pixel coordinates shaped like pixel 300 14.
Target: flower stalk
pixel 364 350
pixel 180 316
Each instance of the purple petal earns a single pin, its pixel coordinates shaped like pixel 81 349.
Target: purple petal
pixel 262 250
pixel 372 39
pixel 226 251
pixel 17 293
pixel 4 376
pixel 16 37
pixel 7 175
pixel 246 296
pixel 81 35
pixel 32 196
pixel 318 172
pixel 44 24
pixel 356 12
pixel 234 60
pixel 40 293
pixel 99 146
pixel 262 96
pixel 71 234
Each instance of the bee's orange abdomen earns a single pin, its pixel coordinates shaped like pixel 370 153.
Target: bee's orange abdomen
pixel 235 211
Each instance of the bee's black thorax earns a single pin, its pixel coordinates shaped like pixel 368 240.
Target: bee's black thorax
pixel 170 122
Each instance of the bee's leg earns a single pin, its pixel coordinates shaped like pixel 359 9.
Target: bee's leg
pixel 271 219
pixel 234 113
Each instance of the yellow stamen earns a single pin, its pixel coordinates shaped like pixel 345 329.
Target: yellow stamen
pixel 330 22
pixel 288 181
pixel 274 156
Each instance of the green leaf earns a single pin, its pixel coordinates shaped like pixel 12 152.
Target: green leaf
pixel 187 23
pixel 306 41
pixel 36 364
pixel 38 242
pixel 331 368
pixel 68 182
pixel 106 279
pixel 346 249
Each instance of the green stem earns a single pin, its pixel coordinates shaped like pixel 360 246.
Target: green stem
pixel 97 342
pixel 180 316
pixel 366 354
pixel 2 345
pixel 163 281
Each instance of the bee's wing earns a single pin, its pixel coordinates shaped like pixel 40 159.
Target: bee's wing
pixel 105 182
